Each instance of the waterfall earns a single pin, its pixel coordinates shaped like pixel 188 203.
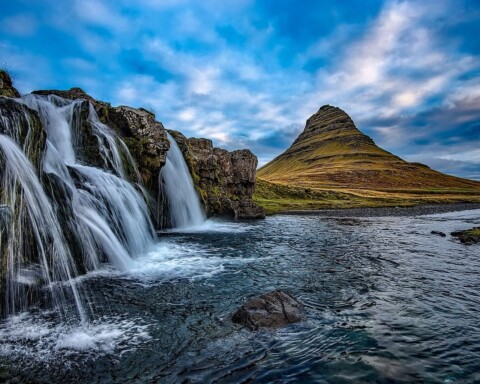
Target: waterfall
pixel 22 191
pixel 97 215
pixel 183 202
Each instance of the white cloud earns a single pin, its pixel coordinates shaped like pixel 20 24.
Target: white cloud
pixel 187 114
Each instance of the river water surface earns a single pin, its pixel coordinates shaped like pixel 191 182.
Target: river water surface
pixel 385 300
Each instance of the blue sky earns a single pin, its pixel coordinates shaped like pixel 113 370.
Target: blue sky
pixel 249 73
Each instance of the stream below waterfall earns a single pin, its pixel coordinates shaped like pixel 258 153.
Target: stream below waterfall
pixel 386 301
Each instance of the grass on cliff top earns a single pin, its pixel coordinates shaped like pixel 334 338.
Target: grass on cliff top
pixel 276 198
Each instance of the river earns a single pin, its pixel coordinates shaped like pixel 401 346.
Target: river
pixel 385 301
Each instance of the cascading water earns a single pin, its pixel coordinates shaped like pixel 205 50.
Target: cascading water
pixel 22 192
pixel 183 202
pixel 98 215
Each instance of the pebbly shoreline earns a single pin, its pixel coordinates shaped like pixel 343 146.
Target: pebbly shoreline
pixel 418 210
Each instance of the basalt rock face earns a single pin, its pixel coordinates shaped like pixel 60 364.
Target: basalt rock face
pixel 331 152
pixel 224 180
pixel 145 138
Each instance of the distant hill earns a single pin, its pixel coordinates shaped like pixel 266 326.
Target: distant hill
pixel 332 152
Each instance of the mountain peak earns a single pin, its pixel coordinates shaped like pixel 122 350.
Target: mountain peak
pixel 328 125
pixel 332 152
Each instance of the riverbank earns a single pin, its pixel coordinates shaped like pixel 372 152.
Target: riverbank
pixel 418 210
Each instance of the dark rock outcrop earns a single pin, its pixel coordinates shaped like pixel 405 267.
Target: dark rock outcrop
pixel 224 180
pixel 438 233
pixel 23 125
pixel 145 138
pixel 469 236
pixel 271 310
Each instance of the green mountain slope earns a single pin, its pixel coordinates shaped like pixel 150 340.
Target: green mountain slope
pixel 331 152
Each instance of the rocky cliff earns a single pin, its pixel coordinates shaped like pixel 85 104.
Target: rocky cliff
pixel 224 180
pixel 331 152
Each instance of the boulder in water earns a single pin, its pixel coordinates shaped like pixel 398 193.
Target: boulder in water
pixel 271 310
pixel 438 233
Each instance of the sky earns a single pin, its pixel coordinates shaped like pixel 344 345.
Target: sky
pixel 247 74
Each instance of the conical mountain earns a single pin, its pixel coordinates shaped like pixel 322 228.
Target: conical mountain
pixel 332 153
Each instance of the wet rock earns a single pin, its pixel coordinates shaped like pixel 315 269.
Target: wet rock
pixel 438 233
pixel 224 180
pixel 469 236
pixel 23 125
pixel 271 310
pixel 5 224
pixel 145 138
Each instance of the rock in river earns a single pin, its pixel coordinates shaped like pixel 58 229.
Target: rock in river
pixel 271 310
pixel 469 236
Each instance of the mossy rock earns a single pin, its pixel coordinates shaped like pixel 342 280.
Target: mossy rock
pixel 469 236
pixel 6 85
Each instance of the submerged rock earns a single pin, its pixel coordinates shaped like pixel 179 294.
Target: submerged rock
pixel 469 236
pixel 439 233
pixel 271 310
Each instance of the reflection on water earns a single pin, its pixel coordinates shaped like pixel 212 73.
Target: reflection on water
pixel 386 301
